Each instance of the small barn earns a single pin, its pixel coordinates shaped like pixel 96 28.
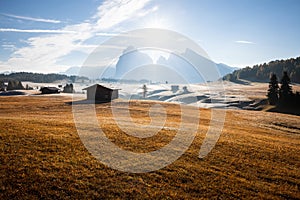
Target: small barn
pixel 49 90
pixel 101 93
pixel 174 88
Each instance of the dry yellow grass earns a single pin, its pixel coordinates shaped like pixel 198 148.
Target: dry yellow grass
pixel 42 156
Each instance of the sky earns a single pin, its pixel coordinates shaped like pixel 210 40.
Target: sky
pixel 52 35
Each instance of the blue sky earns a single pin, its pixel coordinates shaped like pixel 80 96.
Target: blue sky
pixel 52 35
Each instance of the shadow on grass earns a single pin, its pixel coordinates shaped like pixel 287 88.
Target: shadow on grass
pixel 85 101
pixel 286 110
pixel 242 82
pixel 11 93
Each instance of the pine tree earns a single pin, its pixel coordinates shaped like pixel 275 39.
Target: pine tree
pixel 273 90
pixel 19 85
pixel 2 86
pixel 11 85
pixel 285 91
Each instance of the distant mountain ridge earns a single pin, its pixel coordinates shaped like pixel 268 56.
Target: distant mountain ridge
pixel 134 64
pixel 90 72
pixel 262 72
pixel 71 71
pixel 225 69
pixel 130 60
pixel 208 69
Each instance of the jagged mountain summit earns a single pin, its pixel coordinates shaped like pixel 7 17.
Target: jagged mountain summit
pixel 188 67
pixel 134 64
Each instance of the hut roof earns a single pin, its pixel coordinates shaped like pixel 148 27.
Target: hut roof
pixel 98 85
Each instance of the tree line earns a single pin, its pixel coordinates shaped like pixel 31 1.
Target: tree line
pixel 37 77
pixel 262 72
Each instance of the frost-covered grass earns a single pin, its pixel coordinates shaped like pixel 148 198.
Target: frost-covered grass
pixel 42 156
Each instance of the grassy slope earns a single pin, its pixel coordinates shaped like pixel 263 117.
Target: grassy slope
pixel 42 156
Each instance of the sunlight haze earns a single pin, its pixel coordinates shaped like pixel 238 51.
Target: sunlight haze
pixel 51 36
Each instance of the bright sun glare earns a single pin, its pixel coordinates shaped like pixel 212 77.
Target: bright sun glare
pixel 157 22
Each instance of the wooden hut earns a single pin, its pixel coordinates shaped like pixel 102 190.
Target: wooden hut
pixel 101 93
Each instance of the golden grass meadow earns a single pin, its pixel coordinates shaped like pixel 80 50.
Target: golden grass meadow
pixel 42 156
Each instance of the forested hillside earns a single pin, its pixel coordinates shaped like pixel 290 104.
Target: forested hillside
pixel 35 77
pixel 262 72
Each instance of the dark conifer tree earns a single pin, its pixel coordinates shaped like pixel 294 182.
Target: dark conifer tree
pixel 285 91
pixel 2 86
pixel 273 90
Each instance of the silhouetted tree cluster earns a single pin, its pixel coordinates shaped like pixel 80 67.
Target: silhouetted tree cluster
pixel 15 85
pixel 69 88
pixel 282 96
pixel 262 72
